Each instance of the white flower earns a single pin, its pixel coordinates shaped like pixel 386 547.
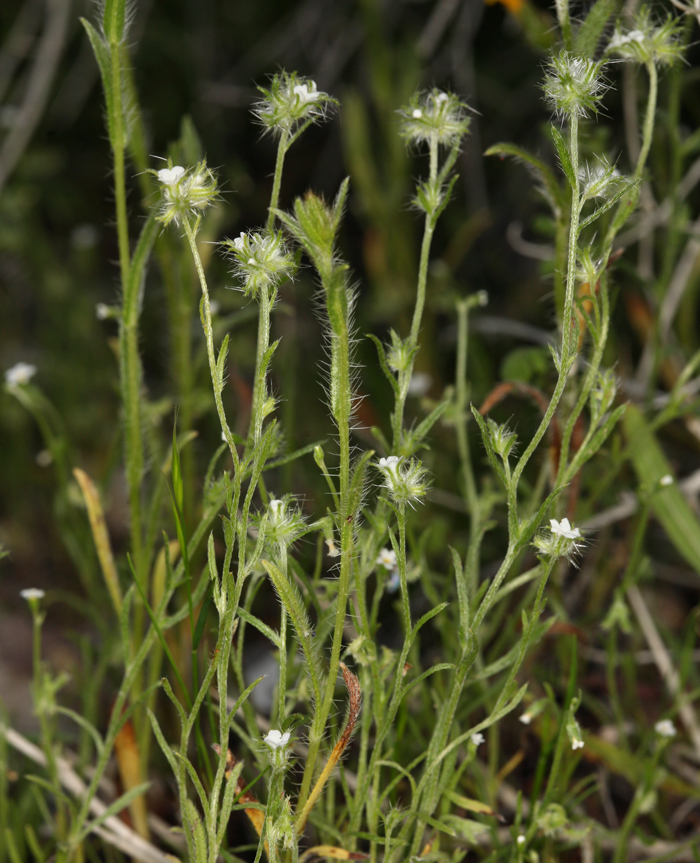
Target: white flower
pixel 30 593
pixel 387 558
pixel 275 739
pixel 564 528
pixel 666 480
pixel 276 509
pixel 416 113
pixel 20 374
pixel 43 458
pixel 419 384
pixel 478 738
pixel 665 728
pixel 239 241
pixel 391 463
pixel 307 92
pixel 526 718
pixel 577 744
pixel 102 311
pixel 170 176
pixel 521 839
pixel 332 550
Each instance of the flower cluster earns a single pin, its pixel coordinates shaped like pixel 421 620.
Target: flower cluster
pixel 20 374
pixel 260 260
pixel 185 193
pixel 289 102
pixel 434 115
pixel 561 541
pixel 285 524
pixel 573 85
pixel 598 181
pixel 404 478
pixel 648 41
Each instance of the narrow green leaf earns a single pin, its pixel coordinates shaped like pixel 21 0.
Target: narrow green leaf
pixel 381 354
pixel 202 619
pixel 302 625
pixel 269 633
pixel 606 206
pixel 293 456
pixel 551 188
pixel 116 807
pixel 564 157
pixel 159 632
pixel 176 470
pixel 588 34
pixel 670 507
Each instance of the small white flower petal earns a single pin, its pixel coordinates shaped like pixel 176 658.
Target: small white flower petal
pixel 665 728
pixel 170 176
pixel 275 739
pixel 20 374
pixel 32 593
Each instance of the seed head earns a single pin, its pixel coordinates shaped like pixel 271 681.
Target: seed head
pixel 433 114
pixel 574 85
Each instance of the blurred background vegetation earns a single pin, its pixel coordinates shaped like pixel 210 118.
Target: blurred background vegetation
pixel 196 64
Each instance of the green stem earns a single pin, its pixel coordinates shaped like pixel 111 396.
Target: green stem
pixel 266 298
pixel 406 374
pixel 342 409
pixel 209 337
pixel 277 181
pixel 567 322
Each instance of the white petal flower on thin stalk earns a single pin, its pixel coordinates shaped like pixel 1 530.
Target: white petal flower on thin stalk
pixel 275 739
pixel 477 739
pixel 561 541
pixel 30 593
